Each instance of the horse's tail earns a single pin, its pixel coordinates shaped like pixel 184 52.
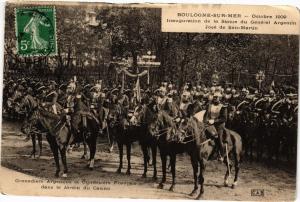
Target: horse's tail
pixel 237 144
pixel 242 154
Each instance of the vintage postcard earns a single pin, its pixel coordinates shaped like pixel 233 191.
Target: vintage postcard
pixel 151 101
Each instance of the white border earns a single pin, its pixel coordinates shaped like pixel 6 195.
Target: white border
pixel 295 3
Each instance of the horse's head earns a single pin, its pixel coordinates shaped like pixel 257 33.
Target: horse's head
pixel 31 120
pixel 149 113
pixel 34 116
pixel 231 113
pixel 191 127
pixel 161 123
pixel 20 105
pixel 137 116
pixel 26 126
pixel 152 118
pixel 114 115
pixel 183 127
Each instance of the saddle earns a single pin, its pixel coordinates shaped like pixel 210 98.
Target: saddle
pixel 85 115
pixel 214 134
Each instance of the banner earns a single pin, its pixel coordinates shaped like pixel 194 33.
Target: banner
pixel 131 74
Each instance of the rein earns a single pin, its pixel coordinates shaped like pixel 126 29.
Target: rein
pixel 193 139
pixel 162 132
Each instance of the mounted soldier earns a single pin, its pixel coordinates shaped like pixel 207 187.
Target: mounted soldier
pixel 162 97
pixel 70 96
pixel 205 95
pixel 96 96
pixel 227 96
pixel 123 100
pixel 29 104
pixel 216 116
pixel 271 100
pixel 235 96
pixel 186 99
pixel 51 98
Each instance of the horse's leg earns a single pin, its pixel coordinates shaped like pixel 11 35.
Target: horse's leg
pixel 146 157
pixel 128 153
pixel 110 140
pixel 54 149
pixel 289 146
pixel 173 171
pixel 246 143
pixel 201 177
pixel 39 136
pixel 228 165
pixel 260 142
pixel 251 149
pixel 195 171
pixel 278 148
pixel 163 157
pixel 84 156
pixel 270 142
pixel 63 152
pixel 33 136
pixel 92 146
pixel 227 171
pixel 154 152
pixel 120 146
pixel 237 159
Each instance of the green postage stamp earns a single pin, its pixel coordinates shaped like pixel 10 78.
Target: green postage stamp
pixel 36 31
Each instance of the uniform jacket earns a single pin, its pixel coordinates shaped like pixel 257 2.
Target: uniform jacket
pixel 221 118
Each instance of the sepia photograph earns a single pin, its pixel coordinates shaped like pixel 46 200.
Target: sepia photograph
pixel 98 101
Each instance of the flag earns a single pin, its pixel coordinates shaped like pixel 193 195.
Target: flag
pixel 273 84
pixel 138 90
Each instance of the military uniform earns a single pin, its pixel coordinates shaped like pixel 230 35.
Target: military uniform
pixel 216 116
pixel 186 99
pixel 51 102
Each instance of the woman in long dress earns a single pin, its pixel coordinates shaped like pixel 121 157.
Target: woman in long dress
pixel 33 28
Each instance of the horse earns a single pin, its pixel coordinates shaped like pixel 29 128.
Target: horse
pixel 243 120
pixel 28 104
pixel 118 130
pixel 59 135
pixel 190 137
pixel 125 133
pixel 171 107
pixel 146 140
pixel 287 129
